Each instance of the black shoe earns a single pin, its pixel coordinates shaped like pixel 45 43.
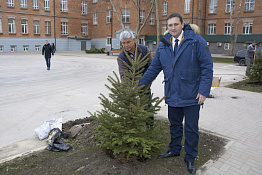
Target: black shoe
pixel 168 154
pixel 191 167
pixel 48 68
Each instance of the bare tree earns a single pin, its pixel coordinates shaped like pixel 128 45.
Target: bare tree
pixel 119 20
pixel 157 23
pixel 199 13
pixel 233 42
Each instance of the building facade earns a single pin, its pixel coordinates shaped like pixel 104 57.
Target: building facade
pixel 83 24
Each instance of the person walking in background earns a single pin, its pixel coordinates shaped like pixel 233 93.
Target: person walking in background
pixel 251 50
pixel 47 51
pixel 187 64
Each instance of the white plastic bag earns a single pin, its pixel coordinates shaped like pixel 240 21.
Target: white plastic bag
pixel 43 131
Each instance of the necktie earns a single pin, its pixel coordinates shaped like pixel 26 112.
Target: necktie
pixel 176 46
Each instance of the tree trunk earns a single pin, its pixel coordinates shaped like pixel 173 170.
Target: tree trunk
pixel 157 24
pixel 199 14
pixel 119 20
pixel 231 26
pixel 235 41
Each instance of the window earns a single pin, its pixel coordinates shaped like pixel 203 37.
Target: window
pixel 13 48
pixel 23 4
pixel 227 46
pixel 165 8
pixel 24 25
pixel 84 8
pixel 142 16
pixel 213 6
pixel 35 4
pixel 64 28
pixel 94 1
pixel 1 31
pixel 25 48
pixel 95 18
pixel 163 28
pixel 228 6
pixel 63 4
pixel 211 29
pixel 10 3
pixel 47 5
pixel 1 48
pixel 141 40
pixel 228 29
pixel 249 5
pixel 37 48
pixel 11 25
pixel 84 29
pixel 47 27
pixel 108 40
pixel 36 27
pixel 126 15
pixel 247 28
pixel 152 18
pixel 187 6
pixel 108 16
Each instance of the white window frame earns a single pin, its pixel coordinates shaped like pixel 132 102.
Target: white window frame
pixel 108 16
pixel 187 6
pixel 247 28
pixel 152 18
pixel 12 48
pixel 212 29
pixel 63 5
pixel 228 29
pixel 26 48
pixel 23 4
pixel 10 3
pixel 36 28
pixel 84 8
pixel 64 28
pixel 142 16
pixel 228 6
pixel 48 27
pixel 165 8
pixel 84 29
pixel 108 40
pixel 47 5
pixel 24 26
pixel 141 40
pixel 227 46
pixel 249 5
pixel 126 15
pixel 95 18
pixel 164 28
pixel 37 48
pixel 11 26
pixel 1 30
pixel 35 4
pixel 1 48
pixel 213 6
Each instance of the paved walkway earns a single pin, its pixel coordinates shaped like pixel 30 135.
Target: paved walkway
pixel 31 95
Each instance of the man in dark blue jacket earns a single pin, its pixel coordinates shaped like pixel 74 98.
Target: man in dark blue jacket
pixel 188 73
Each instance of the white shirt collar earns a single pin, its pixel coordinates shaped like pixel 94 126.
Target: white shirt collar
pixel 179 38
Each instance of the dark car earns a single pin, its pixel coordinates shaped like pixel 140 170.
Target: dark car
pixel 240 57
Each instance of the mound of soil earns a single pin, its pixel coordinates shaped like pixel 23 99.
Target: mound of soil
pixel 86 157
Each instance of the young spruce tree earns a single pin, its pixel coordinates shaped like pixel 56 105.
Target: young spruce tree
pixel 255 73
pixel 126 126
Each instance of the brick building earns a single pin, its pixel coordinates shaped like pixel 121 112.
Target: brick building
pixel 84 24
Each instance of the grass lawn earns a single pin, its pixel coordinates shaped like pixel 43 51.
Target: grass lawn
pixel 223 60
pixel 247 86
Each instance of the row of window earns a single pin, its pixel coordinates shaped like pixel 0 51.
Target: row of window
pixel 247 28
pixel 249 5
pixel 36 28
pixel 125 17
pixel 35 3
pixel 25 48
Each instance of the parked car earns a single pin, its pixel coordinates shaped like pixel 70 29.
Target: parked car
pixel 240 57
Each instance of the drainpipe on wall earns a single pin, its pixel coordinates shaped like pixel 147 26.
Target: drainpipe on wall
pixel 193 12
pixel 54 23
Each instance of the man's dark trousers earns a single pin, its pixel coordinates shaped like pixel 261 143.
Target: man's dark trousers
pixel 175 116
pixel 48 62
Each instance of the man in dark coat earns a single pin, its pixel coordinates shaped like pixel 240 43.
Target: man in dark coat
pixel 187 64
pixel 47 51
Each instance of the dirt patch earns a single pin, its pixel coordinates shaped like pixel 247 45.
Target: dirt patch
pixel 86 157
